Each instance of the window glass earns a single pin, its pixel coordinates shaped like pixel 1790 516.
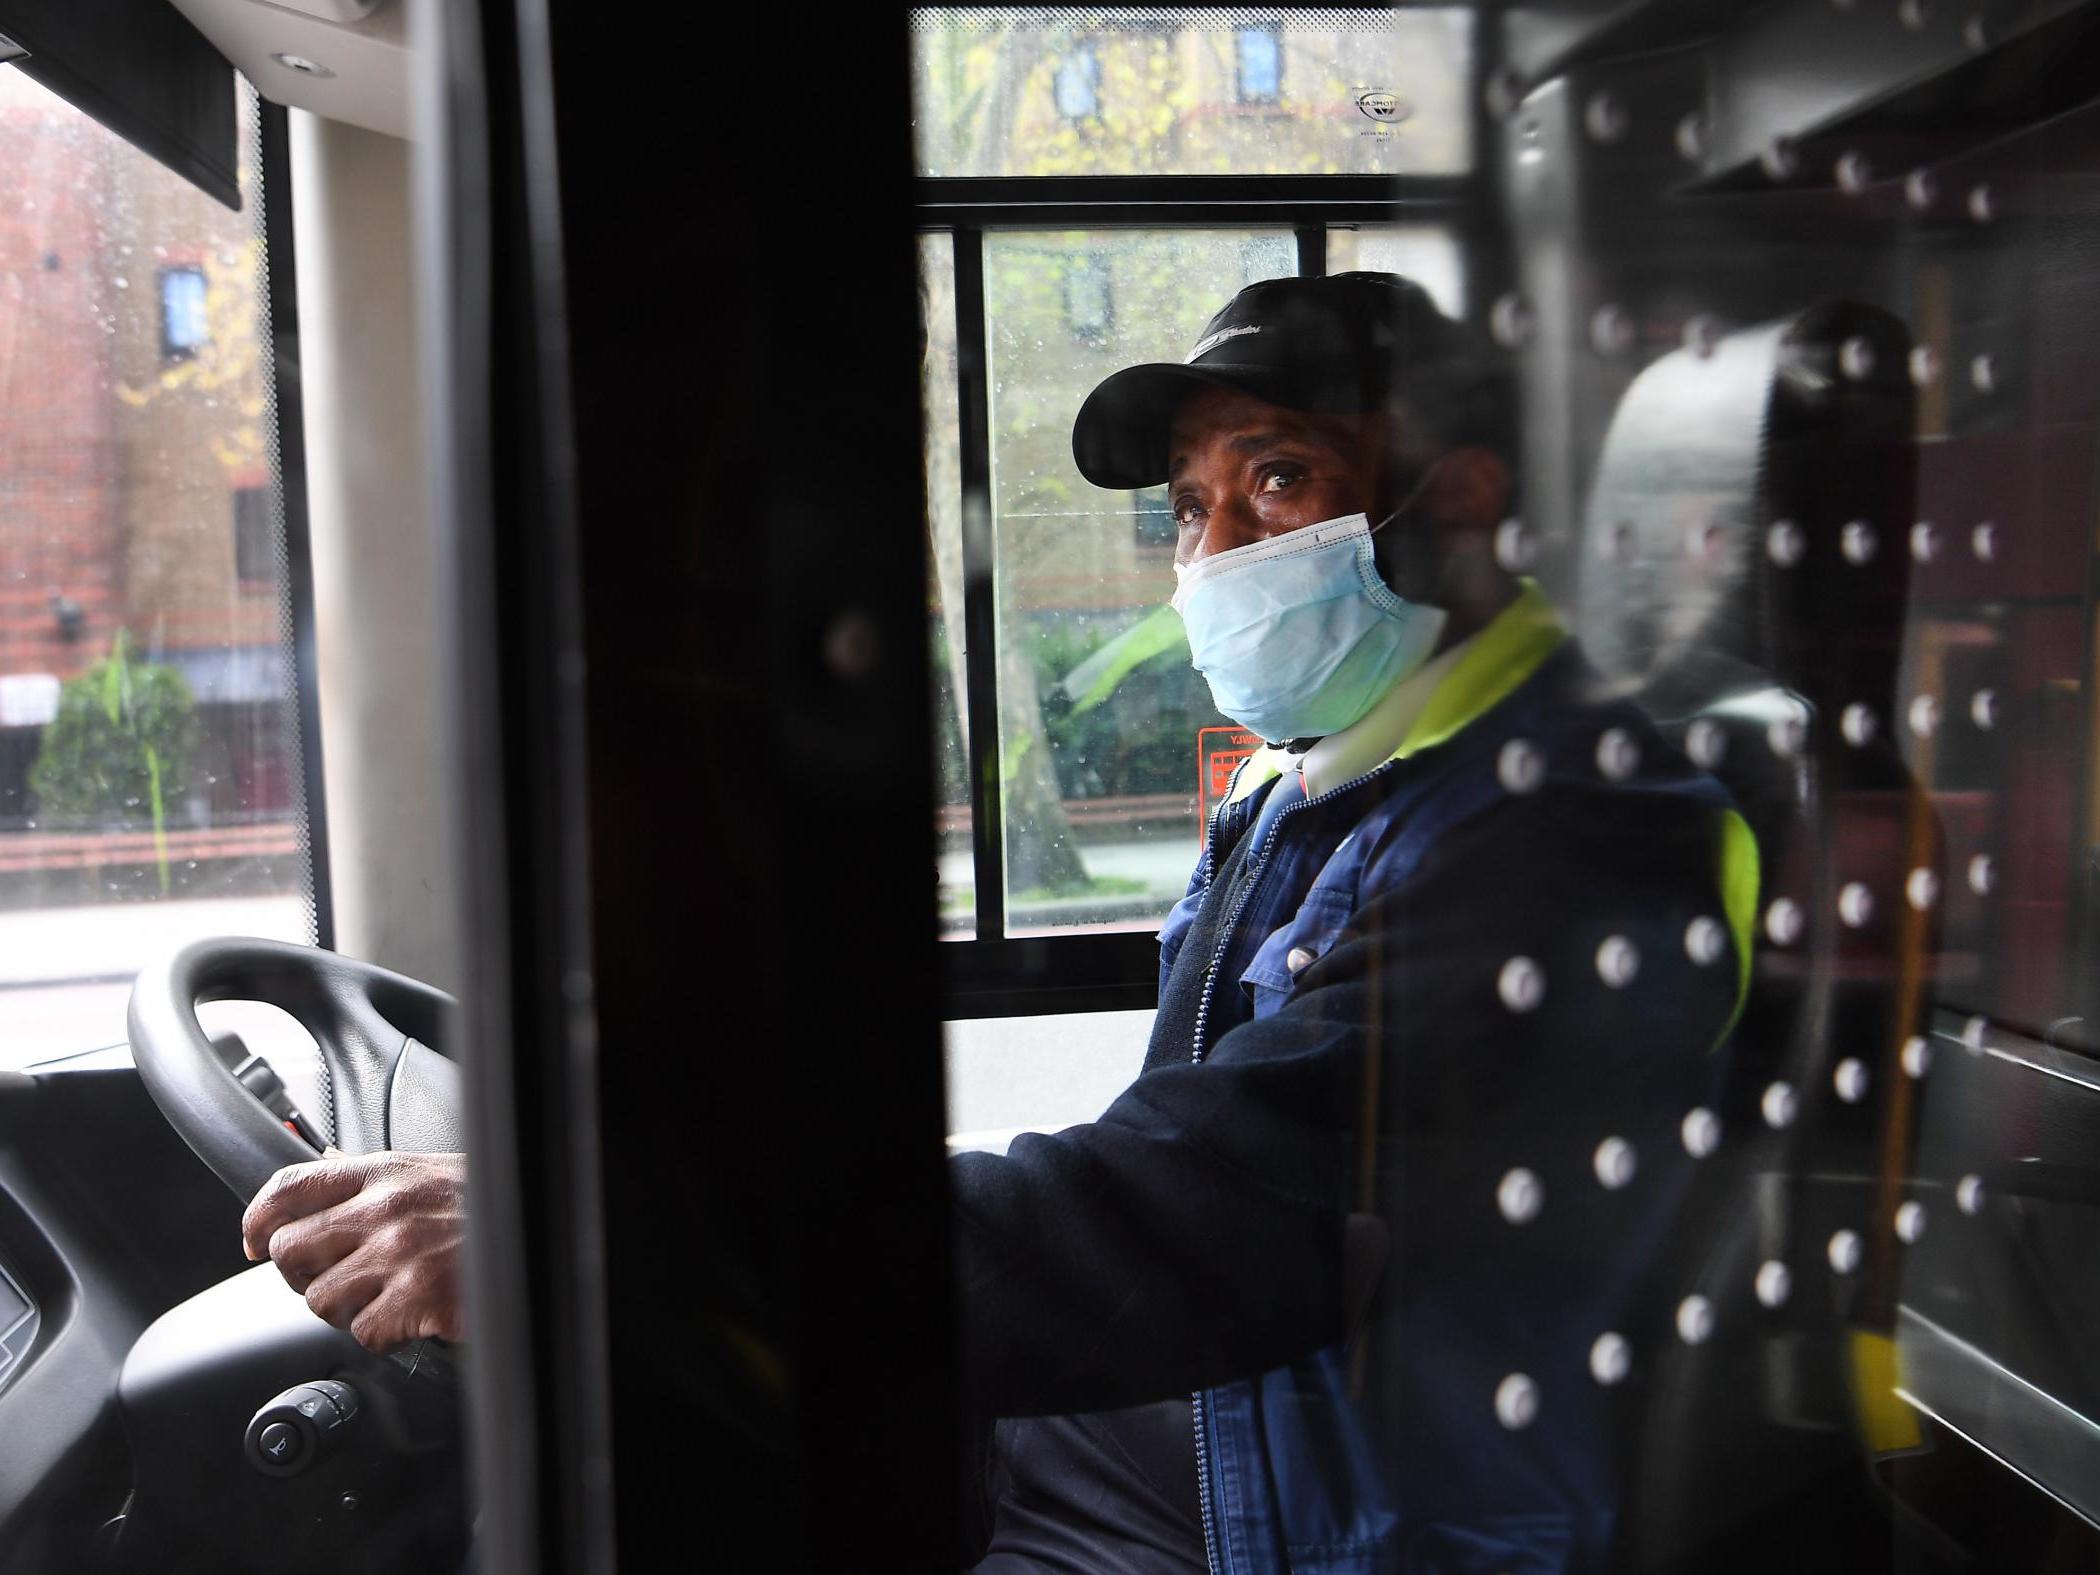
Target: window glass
pixel 150 780
pixel 1009 1075
pixel 1429 254
pixel 1099 708
pixel 1707 978
pixel 1037 90
pixel 944 529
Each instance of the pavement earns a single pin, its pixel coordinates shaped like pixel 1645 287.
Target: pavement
pixel 65 973
pixel 1163 864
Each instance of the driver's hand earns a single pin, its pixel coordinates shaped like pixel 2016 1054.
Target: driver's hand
pixel 371 1241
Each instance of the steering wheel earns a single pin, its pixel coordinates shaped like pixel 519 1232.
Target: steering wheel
pixel 387 1086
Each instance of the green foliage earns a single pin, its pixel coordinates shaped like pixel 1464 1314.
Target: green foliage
pixel 1142 738
pixel 119 750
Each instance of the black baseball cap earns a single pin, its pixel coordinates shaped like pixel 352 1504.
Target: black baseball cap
pixel 1337 344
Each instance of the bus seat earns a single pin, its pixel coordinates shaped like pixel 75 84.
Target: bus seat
pixel 1742 574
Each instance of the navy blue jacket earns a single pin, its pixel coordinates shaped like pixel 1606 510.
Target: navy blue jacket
pixel 1191 1238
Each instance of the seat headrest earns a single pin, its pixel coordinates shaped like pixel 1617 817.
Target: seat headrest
pixel 1722 530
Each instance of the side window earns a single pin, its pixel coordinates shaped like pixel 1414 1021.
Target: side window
pixel 151 779
pixel 1074 741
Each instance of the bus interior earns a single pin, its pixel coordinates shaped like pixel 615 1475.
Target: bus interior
pixel 559 620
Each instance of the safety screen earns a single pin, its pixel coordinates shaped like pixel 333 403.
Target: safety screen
pixel 1676 1040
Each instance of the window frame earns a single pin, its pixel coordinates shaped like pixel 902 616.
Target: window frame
pixel 281 291
pixel 991 973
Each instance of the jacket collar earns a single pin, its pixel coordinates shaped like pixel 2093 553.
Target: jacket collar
pixel 1515 643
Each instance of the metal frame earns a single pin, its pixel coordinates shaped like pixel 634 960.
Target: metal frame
pixel 994 974
pixel 281 281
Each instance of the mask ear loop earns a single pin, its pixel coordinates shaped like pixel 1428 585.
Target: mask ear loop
pixel 1414 492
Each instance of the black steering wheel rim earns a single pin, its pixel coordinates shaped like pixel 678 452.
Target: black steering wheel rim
pixel 378 1033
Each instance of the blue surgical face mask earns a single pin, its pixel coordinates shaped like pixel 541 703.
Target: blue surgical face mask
pixel 1299 636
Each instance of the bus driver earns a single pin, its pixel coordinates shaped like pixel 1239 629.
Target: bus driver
pixel 1342 1280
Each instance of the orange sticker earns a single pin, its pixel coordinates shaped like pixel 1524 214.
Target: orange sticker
pixel 1219 751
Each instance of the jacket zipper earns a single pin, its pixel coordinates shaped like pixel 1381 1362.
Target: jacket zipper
pixel 1210 985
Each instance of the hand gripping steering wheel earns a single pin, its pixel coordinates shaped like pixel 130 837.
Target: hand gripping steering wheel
pixel 388 1087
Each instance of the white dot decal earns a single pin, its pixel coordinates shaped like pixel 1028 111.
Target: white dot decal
pixel 1774 1283
pixel 1968 1195
pixel 1779 159
pixel 1784 544
pixel 1983 542
pixel 1516 1402
pixel 1850 1080
pixel 1618 960
pixel 1779 1106
pixel 1514 548
pixel 1924 716
pixel 1705 940
pixel 1983 708
pixel 1917 1056
pixel 1983 875
pixel 1605 117
pixel 1618 756
pixel 1856 358
pixel 1706 741
pixel 1910 1222
pixel 1510 322
pixel 1981 207
pixel 1611 1359
pixel 1691 138
pixel 1858 725
pixel 1695 1320
pixel 1855 905
pixel 1844 1251
pixel 1611 330
pixel 1787 734
pixel 1983 374
pixel 1520 767
pixel 1924 541
pixel 1920 190
pixel 1858 542
pixel 1521 984
pixel 1520 1196
pixel 1921 889
pixel 1701 1131
pixel 1614 1163
pixel 1783 921
pixel 1975 1035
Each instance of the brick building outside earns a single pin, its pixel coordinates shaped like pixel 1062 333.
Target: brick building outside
pixel 135 500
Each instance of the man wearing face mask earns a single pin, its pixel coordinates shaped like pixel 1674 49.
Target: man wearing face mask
pixel 1352 1277
pixel 1451 973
